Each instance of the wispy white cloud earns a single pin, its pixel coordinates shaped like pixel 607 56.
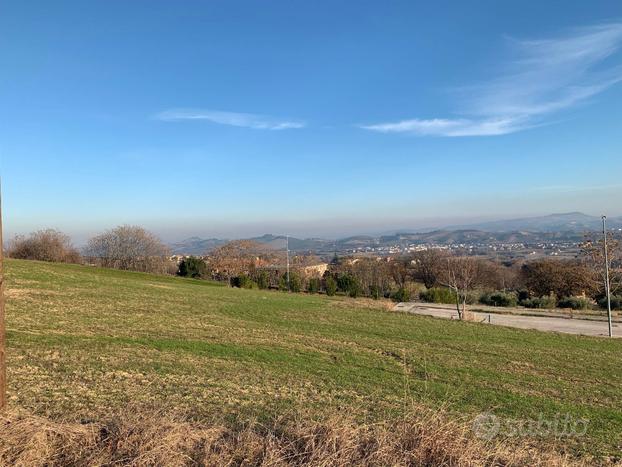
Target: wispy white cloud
pixel 451 127
pixel 545 76
pixel 255 121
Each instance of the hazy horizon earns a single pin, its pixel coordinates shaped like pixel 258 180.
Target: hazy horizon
pixel 310 229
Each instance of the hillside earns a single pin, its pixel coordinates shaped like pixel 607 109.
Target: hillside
pixel 85 341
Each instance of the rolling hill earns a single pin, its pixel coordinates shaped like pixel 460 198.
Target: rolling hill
pixel 196 246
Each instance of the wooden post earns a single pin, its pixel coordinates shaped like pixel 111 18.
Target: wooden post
pixel 2 329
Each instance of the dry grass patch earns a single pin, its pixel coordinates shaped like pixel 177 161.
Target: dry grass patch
pixel 362 303
pixel 145 438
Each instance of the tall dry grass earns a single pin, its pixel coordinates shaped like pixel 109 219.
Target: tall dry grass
pixel 144 438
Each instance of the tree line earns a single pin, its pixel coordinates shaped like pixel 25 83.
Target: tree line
pixel 125 247
pixel 431 275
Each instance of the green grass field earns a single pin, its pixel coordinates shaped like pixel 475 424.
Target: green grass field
pixel 84 341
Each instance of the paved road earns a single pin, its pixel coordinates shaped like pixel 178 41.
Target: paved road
pixel 567 325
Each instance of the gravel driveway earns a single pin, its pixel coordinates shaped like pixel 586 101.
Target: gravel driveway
pixel 541 323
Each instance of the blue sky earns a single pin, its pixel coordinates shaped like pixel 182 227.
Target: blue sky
pixel 232 118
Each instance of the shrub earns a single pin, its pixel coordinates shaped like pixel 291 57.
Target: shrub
pixel 263 280
pixel 616 302
pixel 375 292
pixel 314 285
pixel 349 284
pixel 355 290
pixel 192 267
pixel 415 289
pixel 576 303
pixel 243 282
pixel 330 286
pixel 438 295
pixel 523 295
pixel 295 282
pixel 499 299
pixel 345 282
pixel 400 295
pixel 547 301
pixel 472 297
pixel 44 245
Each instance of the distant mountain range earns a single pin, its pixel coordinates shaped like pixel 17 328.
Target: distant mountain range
pixel 555 227
pixel 565 222
pixel 196 245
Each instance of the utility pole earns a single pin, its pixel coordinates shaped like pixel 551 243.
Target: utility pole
pixel 287 248
pixel 607 285
pixel 2 328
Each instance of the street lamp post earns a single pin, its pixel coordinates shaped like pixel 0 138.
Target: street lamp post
pixel 287 248
pixel 607 285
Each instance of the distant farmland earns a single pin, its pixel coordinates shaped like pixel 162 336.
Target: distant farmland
pixel 85 341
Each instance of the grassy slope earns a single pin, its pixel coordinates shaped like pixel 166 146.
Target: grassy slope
pixel 83 340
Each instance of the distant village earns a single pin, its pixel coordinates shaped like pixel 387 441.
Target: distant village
pixel 494 250
pixel 499 250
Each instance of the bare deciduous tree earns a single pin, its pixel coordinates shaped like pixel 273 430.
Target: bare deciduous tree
pixel 129 248
pixel 242 257
pixel 44 245
pixel 593 254
pixel 399 269
pixel 559 277
pixel 428 265
pixel 461 274
pixel 373 274
pixel 497 276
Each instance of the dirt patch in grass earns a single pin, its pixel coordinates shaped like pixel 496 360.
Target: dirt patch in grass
pixel 160 286
pixel 17 293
